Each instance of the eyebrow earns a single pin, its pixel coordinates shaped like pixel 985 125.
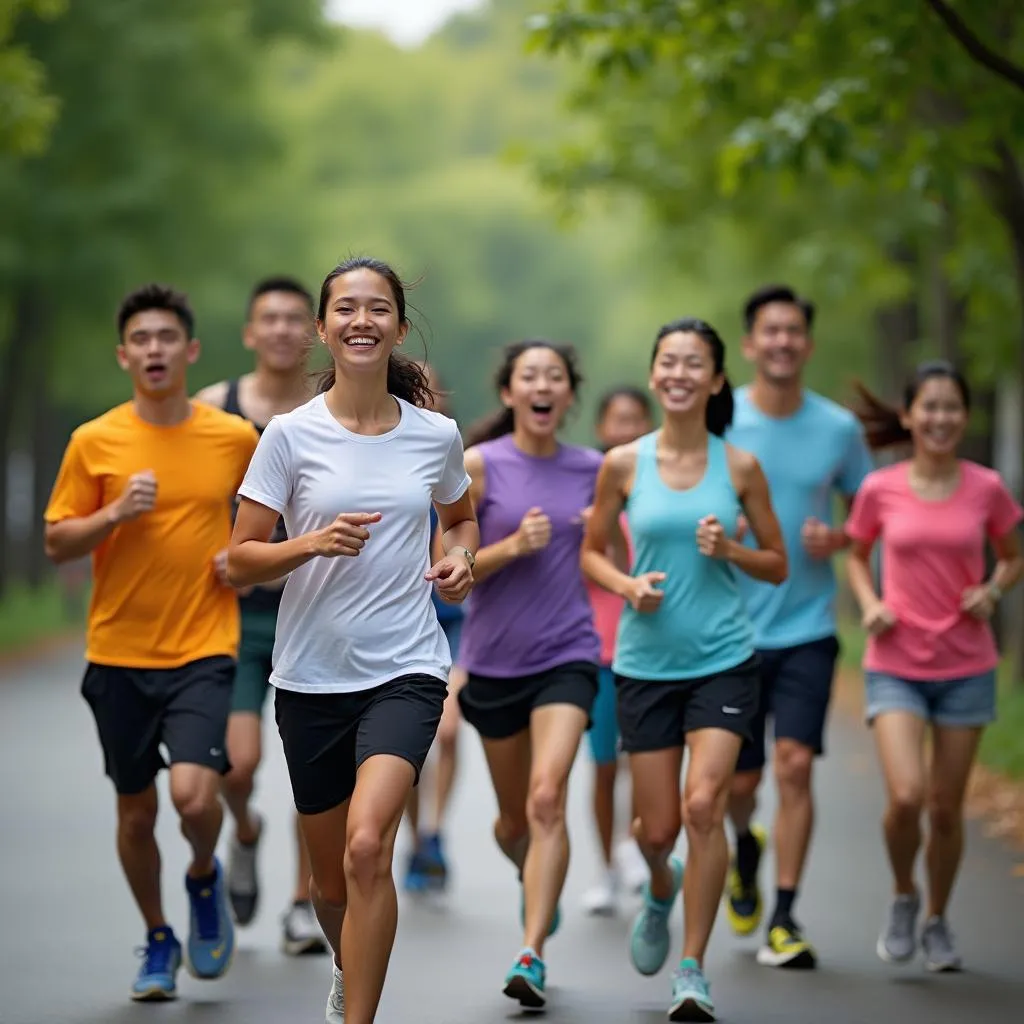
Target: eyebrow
pixel 377 298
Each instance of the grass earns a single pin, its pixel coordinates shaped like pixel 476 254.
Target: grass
pixel 1002 746
pixel 28 615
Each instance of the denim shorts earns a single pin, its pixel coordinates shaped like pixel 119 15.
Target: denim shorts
pixel 954 703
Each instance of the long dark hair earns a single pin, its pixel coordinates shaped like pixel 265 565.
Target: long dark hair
pixel 503 422
pixel 406 379
pixel 882 421
pixel 719 411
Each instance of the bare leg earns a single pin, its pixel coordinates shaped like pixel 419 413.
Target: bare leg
pixel 139 854
pixel 195 790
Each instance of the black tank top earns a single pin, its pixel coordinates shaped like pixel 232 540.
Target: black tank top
pixel 261 599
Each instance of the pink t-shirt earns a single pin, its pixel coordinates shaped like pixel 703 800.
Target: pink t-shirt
pixel 608 608
pixel 932 551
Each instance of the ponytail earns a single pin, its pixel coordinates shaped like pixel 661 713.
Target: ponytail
pixel 883 427
pixel 718 414
pixel 491 427
pixel 406 380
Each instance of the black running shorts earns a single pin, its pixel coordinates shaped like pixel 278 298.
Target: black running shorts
pixel 139 709
pixel 327 736
pixel 500 708
pixel 657 715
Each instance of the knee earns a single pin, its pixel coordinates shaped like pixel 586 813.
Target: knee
pixel 447 736
pixel 906 804
pixel 242 774
pixel 545 805
pixel 703 810
pixel 136 822
pixel 193 803
pixel 367 855
pixel 793 767
pixel 943 815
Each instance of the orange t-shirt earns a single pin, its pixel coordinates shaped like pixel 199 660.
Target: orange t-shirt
pixel 156 602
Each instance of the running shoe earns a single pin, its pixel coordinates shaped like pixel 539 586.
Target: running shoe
pixel 161 958
pixel 525 982
pixel 743 906
pixel 897 943
pixel 691 994
pixel 786 947
pixel 602 899
pixel 301 932
pixel 940 953
pixel 242 878
pixel 650 939
pixel 336 1000
pixel 434 864
pixel 416 880
pixel 211 937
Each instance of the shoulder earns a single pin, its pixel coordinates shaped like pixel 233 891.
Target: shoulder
pixel 209 418
pixel 214 394
pixel 113 423
pixel 885 479
pixel 621 460
pixel 428 422
pixel 741 461
pixel 982 477
pixel 829 414
pixel 582 457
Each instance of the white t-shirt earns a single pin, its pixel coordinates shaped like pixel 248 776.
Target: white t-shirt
pixel 348 624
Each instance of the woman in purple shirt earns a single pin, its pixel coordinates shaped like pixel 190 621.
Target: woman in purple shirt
pixel 528 642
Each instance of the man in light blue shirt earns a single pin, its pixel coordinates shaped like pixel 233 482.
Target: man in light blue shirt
pixel 810 449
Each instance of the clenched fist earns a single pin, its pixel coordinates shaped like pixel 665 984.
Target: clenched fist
pixel 452 578
pixel 534 532
pixel 711 538
pixel 643 594
pixel 817 538
pixel 878 619
pixel 138 497
pixel 345 536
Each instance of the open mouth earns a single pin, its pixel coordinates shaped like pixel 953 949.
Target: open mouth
pixel 544 410
pixel 155 371
pixel 362 342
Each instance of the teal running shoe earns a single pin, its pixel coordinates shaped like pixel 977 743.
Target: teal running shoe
pixel 525 982
pixel 650 940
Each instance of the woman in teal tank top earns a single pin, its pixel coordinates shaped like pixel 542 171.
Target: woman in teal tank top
pixel 686 673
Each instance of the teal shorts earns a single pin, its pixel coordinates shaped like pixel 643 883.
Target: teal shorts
pixel 252 676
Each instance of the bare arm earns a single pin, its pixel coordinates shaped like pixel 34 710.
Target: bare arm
pixel 1010 566
pixel 214 394
pixel 597 559
pixel 767 561
pixel 859 575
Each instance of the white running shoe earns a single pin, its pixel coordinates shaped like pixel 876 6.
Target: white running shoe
pixel 336 1000
pixel 631 866
pixel 602 899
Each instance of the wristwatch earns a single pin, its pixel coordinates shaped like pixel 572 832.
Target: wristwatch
pixel 469 556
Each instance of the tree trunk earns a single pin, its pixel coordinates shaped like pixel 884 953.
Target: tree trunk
pixel 45 431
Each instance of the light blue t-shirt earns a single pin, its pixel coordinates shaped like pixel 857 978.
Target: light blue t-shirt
pixel 807 457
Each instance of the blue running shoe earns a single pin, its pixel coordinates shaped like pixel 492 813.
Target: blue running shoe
pixel 211 936
pixel 434 863
pixel 555 921
pixel 691 994
pixel 650 939
pixel 525 981
pixel 161 958
pixel 416 880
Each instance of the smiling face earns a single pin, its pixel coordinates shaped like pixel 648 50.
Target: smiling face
pixel 779 343
pixel 279 331
pixel 361 325
pixel 683 376
pixel 937 417
pixel 539 391
pixel 156 352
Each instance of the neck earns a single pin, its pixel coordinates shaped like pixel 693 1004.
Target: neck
pixel 933 467
pixel 777 398
pixel 281 387
pixel 364 401
pixel 685 432
pixel 166 411
pixel 530 444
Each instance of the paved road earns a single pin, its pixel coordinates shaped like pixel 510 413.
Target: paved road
pixel 68 924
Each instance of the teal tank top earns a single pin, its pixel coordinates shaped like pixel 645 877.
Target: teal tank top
pixel 701 626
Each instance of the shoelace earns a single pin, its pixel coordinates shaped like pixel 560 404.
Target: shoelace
pixel 691 979
pixel 207 917
pixel 156 957
pixel 654 921
pixel 337 996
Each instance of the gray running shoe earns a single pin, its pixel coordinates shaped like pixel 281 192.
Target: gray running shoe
pixel 939 948
pixel 336 1000
pixel 243 882
pixel 301 931
pixel 897 943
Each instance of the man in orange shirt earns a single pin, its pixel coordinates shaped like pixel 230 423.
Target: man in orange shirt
pixel 147 488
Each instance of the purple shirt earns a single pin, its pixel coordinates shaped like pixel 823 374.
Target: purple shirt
pixel 533 614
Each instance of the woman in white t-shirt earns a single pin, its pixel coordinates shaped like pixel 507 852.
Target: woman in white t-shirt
pixel 360 662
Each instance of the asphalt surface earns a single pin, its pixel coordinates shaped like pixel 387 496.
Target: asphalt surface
pixel 68 925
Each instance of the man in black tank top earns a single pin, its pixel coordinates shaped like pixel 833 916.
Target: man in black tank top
pixel 279 330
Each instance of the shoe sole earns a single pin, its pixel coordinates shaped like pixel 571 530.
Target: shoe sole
pixel 529 998
pixel 884 954
pixel 936 968
pixel 154 995
pixel 805 960
pixel 690 1010
pixel 303 947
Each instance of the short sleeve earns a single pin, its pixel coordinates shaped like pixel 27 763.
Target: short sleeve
pixel 454 481
pixel 76 492
pixel 856 464
pixel 248 442
pixel 864 522
pixel 268 480
pixel 1003 511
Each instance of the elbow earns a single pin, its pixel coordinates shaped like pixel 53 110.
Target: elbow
pixel 236 573
pixel 780 571
pixel 52 548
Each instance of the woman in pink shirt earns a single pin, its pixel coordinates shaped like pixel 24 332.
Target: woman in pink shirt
pixel 931 655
